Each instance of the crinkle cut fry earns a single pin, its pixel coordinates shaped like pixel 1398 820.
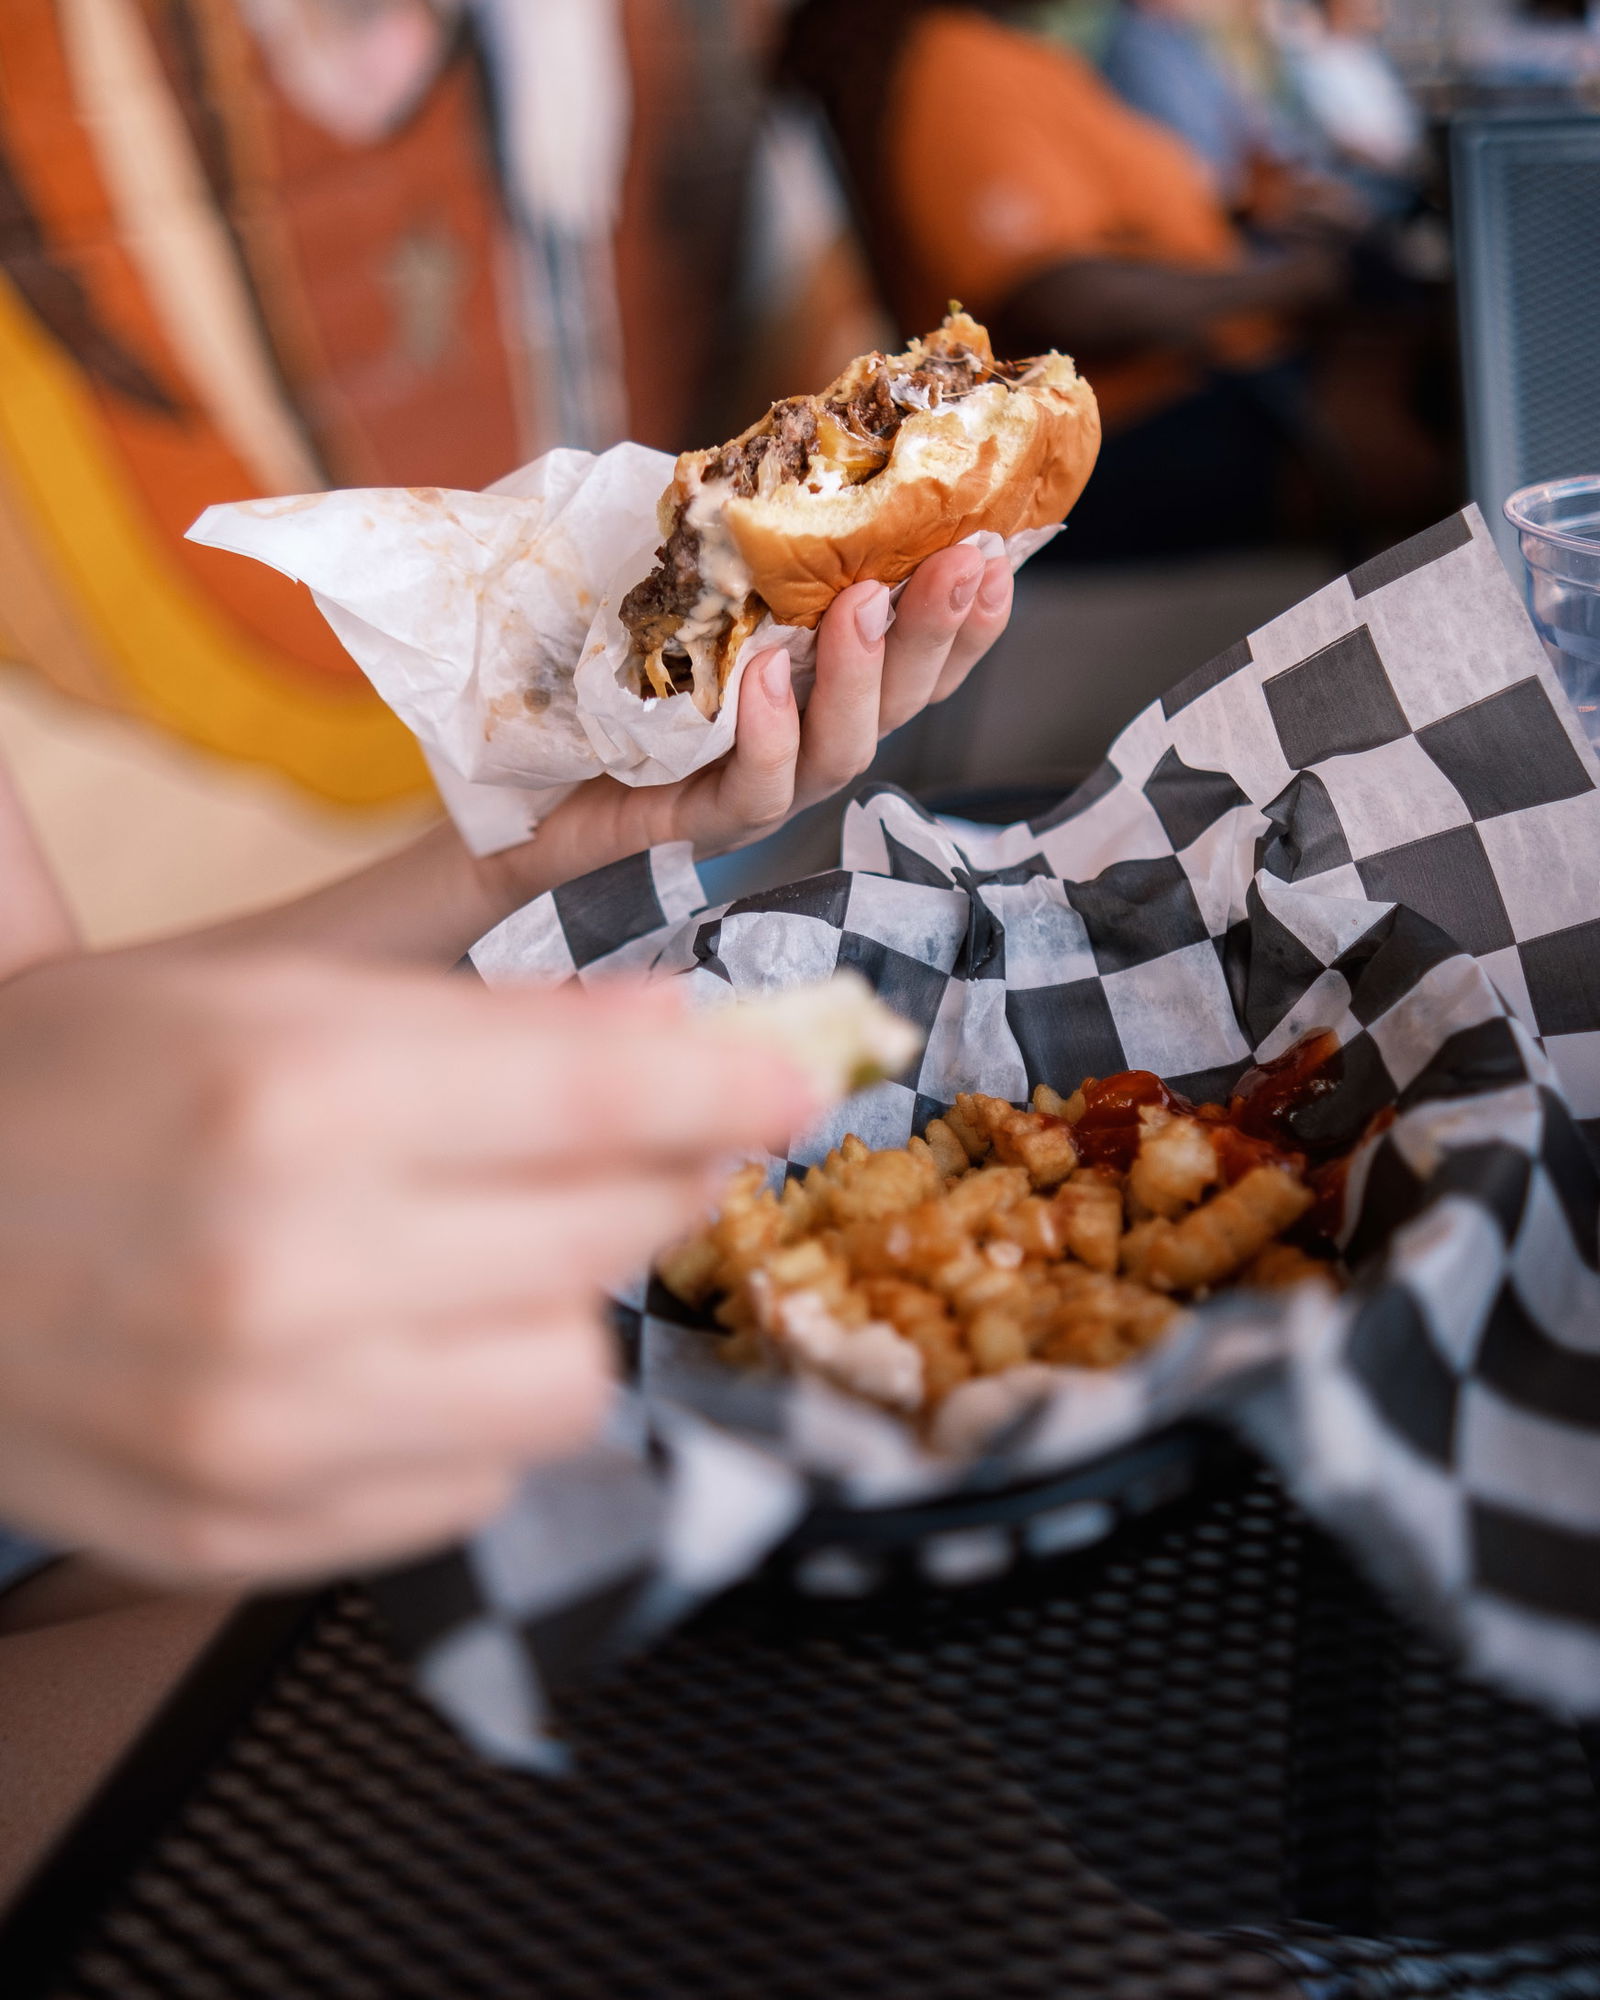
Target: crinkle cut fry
pixel 1034 1140
pixel 1176 1163
pixel 1088 1212
pixel 1214 1241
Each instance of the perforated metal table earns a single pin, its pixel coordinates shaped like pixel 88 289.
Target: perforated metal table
pixel 1151 1770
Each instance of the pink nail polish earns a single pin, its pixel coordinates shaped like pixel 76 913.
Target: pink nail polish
pixel 775 676
pixel 873 614
pixel 962 593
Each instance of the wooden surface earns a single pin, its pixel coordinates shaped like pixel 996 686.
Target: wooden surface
pixel 86 1658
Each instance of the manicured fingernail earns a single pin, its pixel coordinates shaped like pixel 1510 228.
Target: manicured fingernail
pixel 775 677
pixel 873 614
pixel 962 593
pixel 996 587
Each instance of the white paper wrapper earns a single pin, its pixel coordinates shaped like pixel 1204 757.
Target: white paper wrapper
pixel 1376 816
pixel 488 623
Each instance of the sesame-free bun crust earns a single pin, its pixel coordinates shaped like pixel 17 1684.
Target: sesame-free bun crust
pixel 1005 459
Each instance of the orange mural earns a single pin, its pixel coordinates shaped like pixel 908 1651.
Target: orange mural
pixel 207 294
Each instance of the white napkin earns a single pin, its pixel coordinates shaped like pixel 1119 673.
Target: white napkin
pixel 488 622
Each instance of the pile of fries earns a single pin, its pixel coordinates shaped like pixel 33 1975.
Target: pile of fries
pixel 1068 1233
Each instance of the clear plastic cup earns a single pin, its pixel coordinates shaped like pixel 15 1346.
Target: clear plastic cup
pixel 1558 525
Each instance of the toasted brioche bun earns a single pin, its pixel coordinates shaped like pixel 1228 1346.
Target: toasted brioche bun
pixel 1002 458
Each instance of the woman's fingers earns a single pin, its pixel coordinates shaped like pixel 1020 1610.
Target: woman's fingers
pixel 844 716
pixel 380 1254
pixel 875 673
pixel 372 1521
pixel 504 1250
pixel 150 1527
pixel 752 789
pixel 876 667
pixel 498 1083
pixel 932 611
pixel 503 1393
pixel 984 623
pixel 277 1432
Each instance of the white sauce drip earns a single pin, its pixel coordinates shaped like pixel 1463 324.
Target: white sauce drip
pixel 724 576
pixel 725 585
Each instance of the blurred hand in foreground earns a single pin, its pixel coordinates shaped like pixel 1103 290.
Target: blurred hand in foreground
pixel 301 1263
pixel 433 900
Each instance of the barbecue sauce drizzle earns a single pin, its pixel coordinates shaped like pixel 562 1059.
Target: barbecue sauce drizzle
pixel 1255 1129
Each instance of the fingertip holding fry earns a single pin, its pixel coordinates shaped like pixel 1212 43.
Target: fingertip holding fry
pixel 837 1033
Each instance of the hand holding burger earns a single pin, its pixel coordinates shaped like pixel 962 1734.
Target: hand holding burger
pixel 813 513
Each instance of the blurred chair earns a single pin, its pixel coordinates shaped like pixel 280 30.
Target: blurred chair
pixel 1527 223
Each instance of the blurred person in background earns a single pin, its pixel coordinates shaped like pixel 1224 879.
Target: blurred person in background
pixel 1348 98
pixel 1169 60
pixel 995 167
pixel 1293 102
pixel 1305 122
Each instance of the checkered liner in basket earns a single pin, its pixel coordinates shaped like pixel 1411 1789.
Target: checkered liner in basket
pixel 1377 815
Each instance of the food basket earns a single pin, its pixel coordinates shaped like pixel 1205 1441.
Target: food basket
pixel 1359 822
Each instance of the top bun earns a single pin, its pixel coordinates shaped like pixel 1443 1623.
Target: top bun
pixel 901 456
pixel 1003 458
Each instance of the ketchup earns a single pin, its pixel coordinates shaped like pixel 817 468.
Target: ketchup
pixel 1329 1181
pixel 1254 1129
pixel 1265 1099
pixel 1108 1132
pixel 1239 1153
pixel 1325 1217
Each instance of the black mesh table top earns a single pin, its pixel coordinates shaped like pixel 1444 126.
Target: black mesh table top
pixel 1199 1761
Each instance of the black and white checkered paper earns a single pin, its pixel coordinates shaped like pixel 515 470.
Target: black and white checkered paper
pixel 1377 815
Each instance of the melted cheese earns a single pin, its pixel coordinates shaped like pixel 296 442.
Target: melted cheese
pixel 724 575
